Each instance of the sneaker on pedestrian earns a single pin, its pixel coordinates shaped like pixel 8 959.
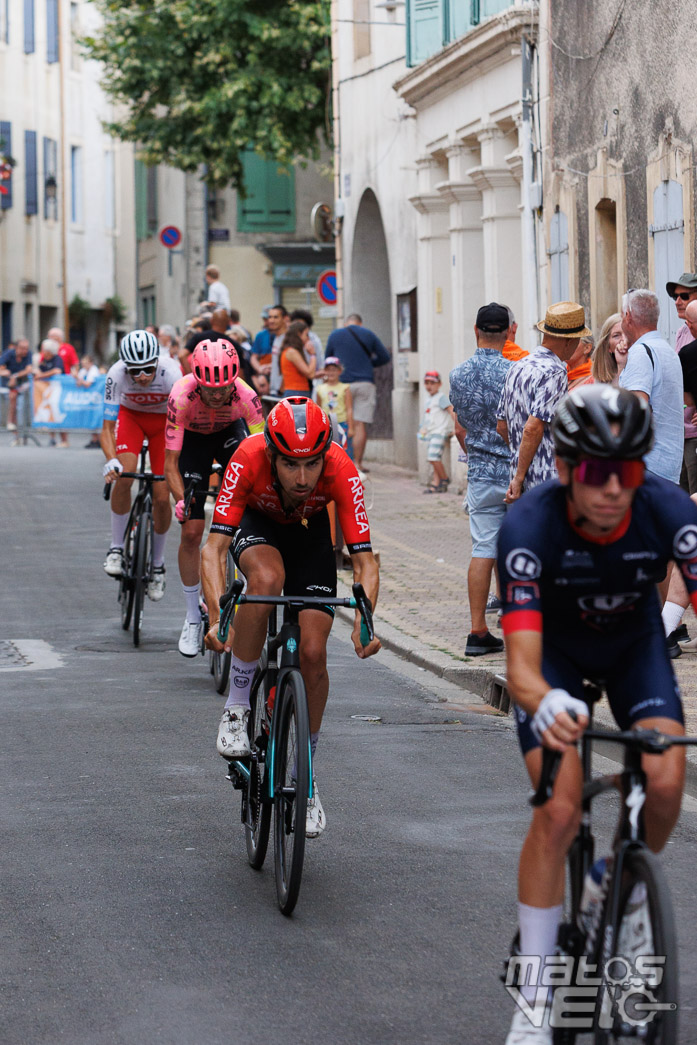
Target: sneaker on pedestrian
pixel 682 634
pixel 190 639
pixel 113 564
pixel 11 427
pixel 523 1032
pixel 315 820
pixel 672 646
pixel 493 603
pixel 233 741
pixel 478 645
pixel 156 586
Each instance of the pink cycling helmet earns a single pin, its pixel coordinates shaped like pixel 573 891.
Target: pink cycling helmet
pixel 215 364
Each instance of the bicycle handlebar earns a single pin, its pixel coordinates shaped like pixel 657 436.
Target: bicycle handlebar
pixel 148 476
pixel 234 597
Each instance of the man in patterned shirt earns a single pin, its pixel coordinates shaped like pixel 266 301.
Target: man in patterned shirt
pixel 531 394
pixel 475 389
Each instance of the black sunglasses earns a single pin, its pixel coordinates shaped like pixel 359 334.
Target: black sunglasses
pixel 683 297
pixel 133 371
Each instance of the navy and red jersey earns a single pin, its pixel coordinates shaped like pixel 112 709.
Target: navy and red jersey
pixel 585 593
pixel 249 482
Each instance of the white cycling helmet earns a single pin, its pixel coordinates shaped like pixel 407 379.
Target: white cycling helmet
pixel 139 348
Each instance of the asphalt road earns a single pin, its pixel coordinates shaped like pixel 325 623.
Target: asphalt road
pixel 129 912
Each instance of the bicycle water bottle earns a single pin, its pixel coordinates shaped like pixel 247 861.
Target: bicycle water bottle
pixel 592 892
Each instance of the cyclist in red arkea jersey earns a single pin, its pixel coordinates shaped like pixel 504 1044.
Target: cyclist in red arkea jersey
pixel 272 506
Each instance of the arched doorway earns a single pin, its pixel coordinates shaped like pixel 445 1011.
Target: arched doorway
pixel 371 297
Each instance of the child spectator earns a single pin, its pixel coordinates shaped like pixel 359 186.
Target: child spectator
pixel 85 378
pixel 437 425
pixel 335 397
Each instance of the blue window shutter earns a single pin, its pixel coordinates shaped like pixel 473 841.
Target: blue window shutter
pixel 487 8
pixel 459 18
pixel 6 150
pixel 31 186
pixel 50 171
pixel 425 29
pixel 668 233
pixel 28 26
pixel 559 256
pixel 269 205
pixel 51 30
pixel 141 194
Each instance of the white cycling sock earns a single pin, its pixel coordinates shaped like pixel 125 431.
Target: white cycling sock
pixel 538 936
pixel 241 675
pixel 193 610
pixel 158 548
pixel 118 529
pixel 672 615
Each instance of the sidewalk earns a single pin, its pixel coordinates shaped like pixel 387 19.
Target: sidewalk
pixel 423 612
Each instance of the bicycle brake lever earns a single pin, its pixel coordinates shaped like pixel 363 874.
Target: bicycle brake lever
pixel 106 493
pixel 227 604
pixel 366 611
pixel 551 760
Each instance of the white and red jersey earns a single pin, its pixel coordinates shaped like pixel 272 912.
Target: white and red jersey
pixel 249 482
pixel 122 390
pixel 187 412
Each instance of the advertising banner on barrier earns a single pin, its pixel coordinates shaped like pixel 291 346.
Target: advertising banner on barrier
pixel 61 404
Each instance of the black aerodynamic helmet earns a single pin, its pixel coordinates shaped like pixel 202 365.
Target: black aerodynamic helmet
pixel 583 424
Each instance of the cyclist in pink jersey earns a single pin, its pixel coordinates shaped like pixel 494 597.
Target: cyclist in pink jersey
pixel 210 411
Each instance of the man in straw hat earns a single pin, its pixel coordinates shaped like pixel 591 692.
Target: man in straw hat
pixel 530 396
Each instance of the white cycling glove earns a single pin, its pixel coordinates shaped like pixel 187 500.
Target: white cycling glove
pixel 553 703
pixel 113 465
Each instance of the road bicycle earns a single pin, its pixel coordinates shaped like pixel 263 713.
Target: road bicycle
pixel 278 774
pixel 620 956
pixel 137 551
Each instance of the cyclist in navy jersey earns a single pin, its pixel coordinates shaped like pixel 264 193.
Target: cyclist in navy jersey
pixel 579 560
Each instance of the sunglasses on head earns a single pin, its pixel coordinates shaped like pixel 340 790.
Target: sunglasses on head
pixel 595 471
pixel 682 296
pixel 134 371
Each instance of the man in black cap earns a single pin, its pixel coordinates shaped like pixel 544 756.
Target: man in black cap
pixel 475 388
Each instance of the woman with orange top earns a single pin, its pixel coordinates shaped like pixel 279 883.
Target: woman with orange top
pixel 298 361
pixel 579 366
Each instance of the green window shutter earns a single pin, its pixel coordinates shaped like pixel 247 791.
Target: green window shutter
pixel 269 205
pixel 425 29
pixel 459 18
pixel 493 7
pixel 141 187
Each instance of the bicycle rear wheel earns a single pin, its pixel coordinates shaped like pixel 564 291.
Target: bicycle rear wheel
pixel 291 767
pixel 142 567
pixel 639 996
pixel 126 589
pixel 258 811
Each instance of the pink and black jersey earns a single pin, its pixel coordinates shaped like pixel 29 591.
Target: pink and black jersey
pixel 187 412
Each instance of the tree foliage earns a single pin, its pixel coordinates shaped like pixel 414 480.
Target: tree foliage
pixel 200 81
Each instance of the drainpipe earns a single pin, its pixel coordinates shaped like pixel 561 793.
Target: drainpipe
pixel 338 203
pixel 63 178
pixel 531 192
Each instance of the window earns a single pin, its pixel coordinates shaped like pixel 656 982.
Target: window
pixel 50 179
pixel 147 307
pixel 31 179
pixel 146 200
pixel 6 150
pixel 109 190
pixel 607 298
pixel 74 35
pixel 433 23
pixel 361 28
pixel 668 232
pixel 5 21
pixel 28 26
pixel 558 254
pixel 51 30
pixel 76 184
pixel 269 205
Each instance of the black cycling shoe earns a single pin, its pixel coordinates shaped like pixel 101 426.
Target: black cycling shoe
pixel 672 646
pixel 478 645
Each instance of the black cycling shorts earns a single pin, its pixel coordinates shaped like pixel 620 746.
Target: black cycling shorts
pixel 307 552
pixel 198 454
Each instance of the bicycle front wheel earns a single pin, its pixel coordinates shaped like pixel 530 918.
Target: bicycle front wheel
pixel 126 589
pixel 142 567
pixel 258 811
pixel 291 768
pixel 639 995
pixel 220 662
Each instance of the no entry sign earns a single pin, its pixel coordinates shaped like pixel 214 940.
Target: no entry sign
pixel 326 287
pixel 170 236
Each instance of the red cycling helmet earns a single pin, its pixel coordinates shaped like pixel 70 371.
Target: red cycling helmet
pixel 298 427
pixel 215 364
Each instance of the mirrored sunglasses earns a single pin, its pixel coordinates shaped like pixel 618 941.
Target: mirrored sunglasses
pixel 134 371
pixel 595 471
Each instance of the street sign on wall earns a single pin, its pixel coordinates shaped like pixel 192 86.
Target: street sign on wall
pixel 326 287
pixel 170 236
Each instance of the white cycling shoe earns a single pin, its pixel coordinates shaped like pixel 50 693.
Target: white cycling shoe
pixel 523 1032
pixel 233 741
pixel 315 819
pixel 190 639
pixel 156 587
pixel 113 564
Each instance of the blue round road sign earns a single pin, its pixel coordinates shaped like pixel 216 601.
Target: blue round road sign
pixel 326 287
pixel 170 236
